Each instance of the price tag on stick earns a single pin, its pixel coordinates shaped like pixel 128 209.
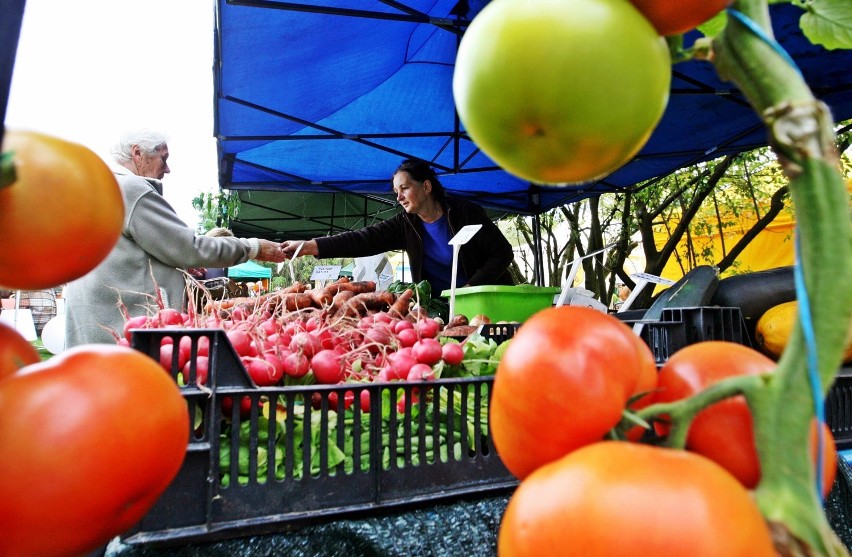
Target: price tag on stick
pixel 568 282
pixel 325 272
pixel 641 280
pixel 461 238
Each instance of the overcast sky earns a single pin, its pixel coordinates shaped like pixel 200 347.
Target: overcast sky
pixel 87 70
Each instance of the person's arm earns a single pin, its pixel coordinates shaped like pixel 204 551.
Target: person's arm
pixel 156 228
pixel 371 240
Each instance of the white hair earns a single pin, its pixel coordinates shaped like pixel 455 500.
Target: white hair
pixel 148 140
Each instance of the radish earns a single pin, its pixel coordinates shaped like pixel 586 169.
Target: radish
pixel 382 317
pixel 428 327
pixel 269 326
pixel 201 371
pixel 421 372
pixel 203 346
pixel 400 405
pixel 401 364
pixel 245 406
pixel 168 316
pixel 266 370
pixel 334 397
pixel 402 325
pixel 305 343
pixel 364 399
pixel 407 337
pixel 240 340
pixel 427 351
pixel 327 367
pixel 167 351
pixel 452 353
pixel 296 364
pixel 386 374
pixel 139 322
pixel 377 337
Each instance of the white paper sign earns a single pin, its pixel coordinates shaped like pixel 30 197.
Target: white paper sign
pixel 325 272
pixel 465 234
pixel 462 237
pixel 652 278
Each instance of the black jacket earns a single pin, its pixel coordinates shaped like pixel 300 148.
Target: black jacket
pixel 485 259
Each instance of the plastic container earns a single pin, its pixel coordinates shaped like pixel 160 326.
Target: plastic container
pixel 679 327
pixel 503 303
pixel 838 409
pixel 425 449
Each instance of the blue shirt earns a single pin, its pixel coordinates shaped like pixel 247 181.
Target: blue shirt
pixel 438 256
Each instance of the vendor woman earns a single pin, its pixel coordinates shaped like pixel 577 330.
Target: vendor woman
pixel 423 229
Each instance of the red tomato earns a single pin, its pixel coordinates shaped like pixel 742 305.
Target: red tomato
pixel 674 18
pixel 97 433
pixel 63 192
pixel 562 383
pixel 723 432
pixel 15 351
pixel 620 499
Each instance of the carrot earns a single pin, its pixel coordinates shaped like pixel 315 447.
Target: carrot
pixel 321 297
pixel 358 287
pixel 400 306
pixel 339 299
pixel 360 304
pixel 296 301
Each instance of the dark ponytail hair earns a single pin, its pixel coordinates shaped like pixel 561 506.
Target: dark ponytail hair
pixel 421 171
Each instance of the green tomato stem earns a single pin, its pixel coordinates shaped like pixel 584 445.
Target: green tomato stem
pixel 802 136
pixel 682 412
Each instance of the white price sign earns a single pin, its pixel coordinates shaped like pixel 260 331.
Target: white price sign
pixel 325 272
pixel 464 235
pixel 652 278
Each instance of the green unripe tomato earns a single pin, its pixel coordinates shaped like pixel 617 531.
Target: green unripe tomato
pixel 561 91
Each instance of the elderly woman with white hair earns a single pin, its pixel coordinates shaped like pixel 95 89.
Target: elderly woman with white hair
pixel 146 267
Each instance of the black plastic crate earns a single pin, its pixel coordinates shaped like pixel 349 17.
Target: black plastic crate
pixel 437 447
pixel 838 409
pixel 679 327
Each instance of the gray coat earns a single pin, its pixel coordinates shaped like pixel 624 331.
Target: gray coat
pixel 151 252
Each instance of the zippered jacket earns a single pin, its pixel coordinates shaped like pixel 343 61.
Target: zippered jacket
pixel 485 259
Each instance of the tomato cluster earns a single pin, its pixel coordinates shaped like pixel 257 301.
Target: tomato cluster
pixel 564 384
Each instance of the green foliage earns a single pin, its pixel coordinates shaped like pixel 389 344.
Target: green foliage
pixel 827 22
pixel 216 209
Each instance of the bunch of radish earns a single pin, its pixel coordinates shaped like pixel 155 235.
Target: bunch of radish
pixel 379 339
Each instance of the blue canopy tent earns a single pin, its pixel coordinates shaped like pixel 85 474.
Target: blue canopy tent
pixel 328 96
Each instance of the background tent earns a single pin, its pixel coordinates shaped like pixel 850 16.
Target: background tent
pixel 320 100
pixel 251 272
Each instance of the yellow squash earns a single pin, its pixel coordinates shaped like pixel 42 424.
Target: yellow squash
pixel 775 326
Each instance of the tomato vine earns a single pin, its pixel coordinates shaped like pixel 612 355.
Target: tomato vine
pixel 782 404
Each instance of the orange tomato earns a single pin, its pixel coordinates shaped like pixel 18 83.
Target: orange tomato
pixel 563 382
pixel 90 440
pixel 60 217
pixel 621 499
